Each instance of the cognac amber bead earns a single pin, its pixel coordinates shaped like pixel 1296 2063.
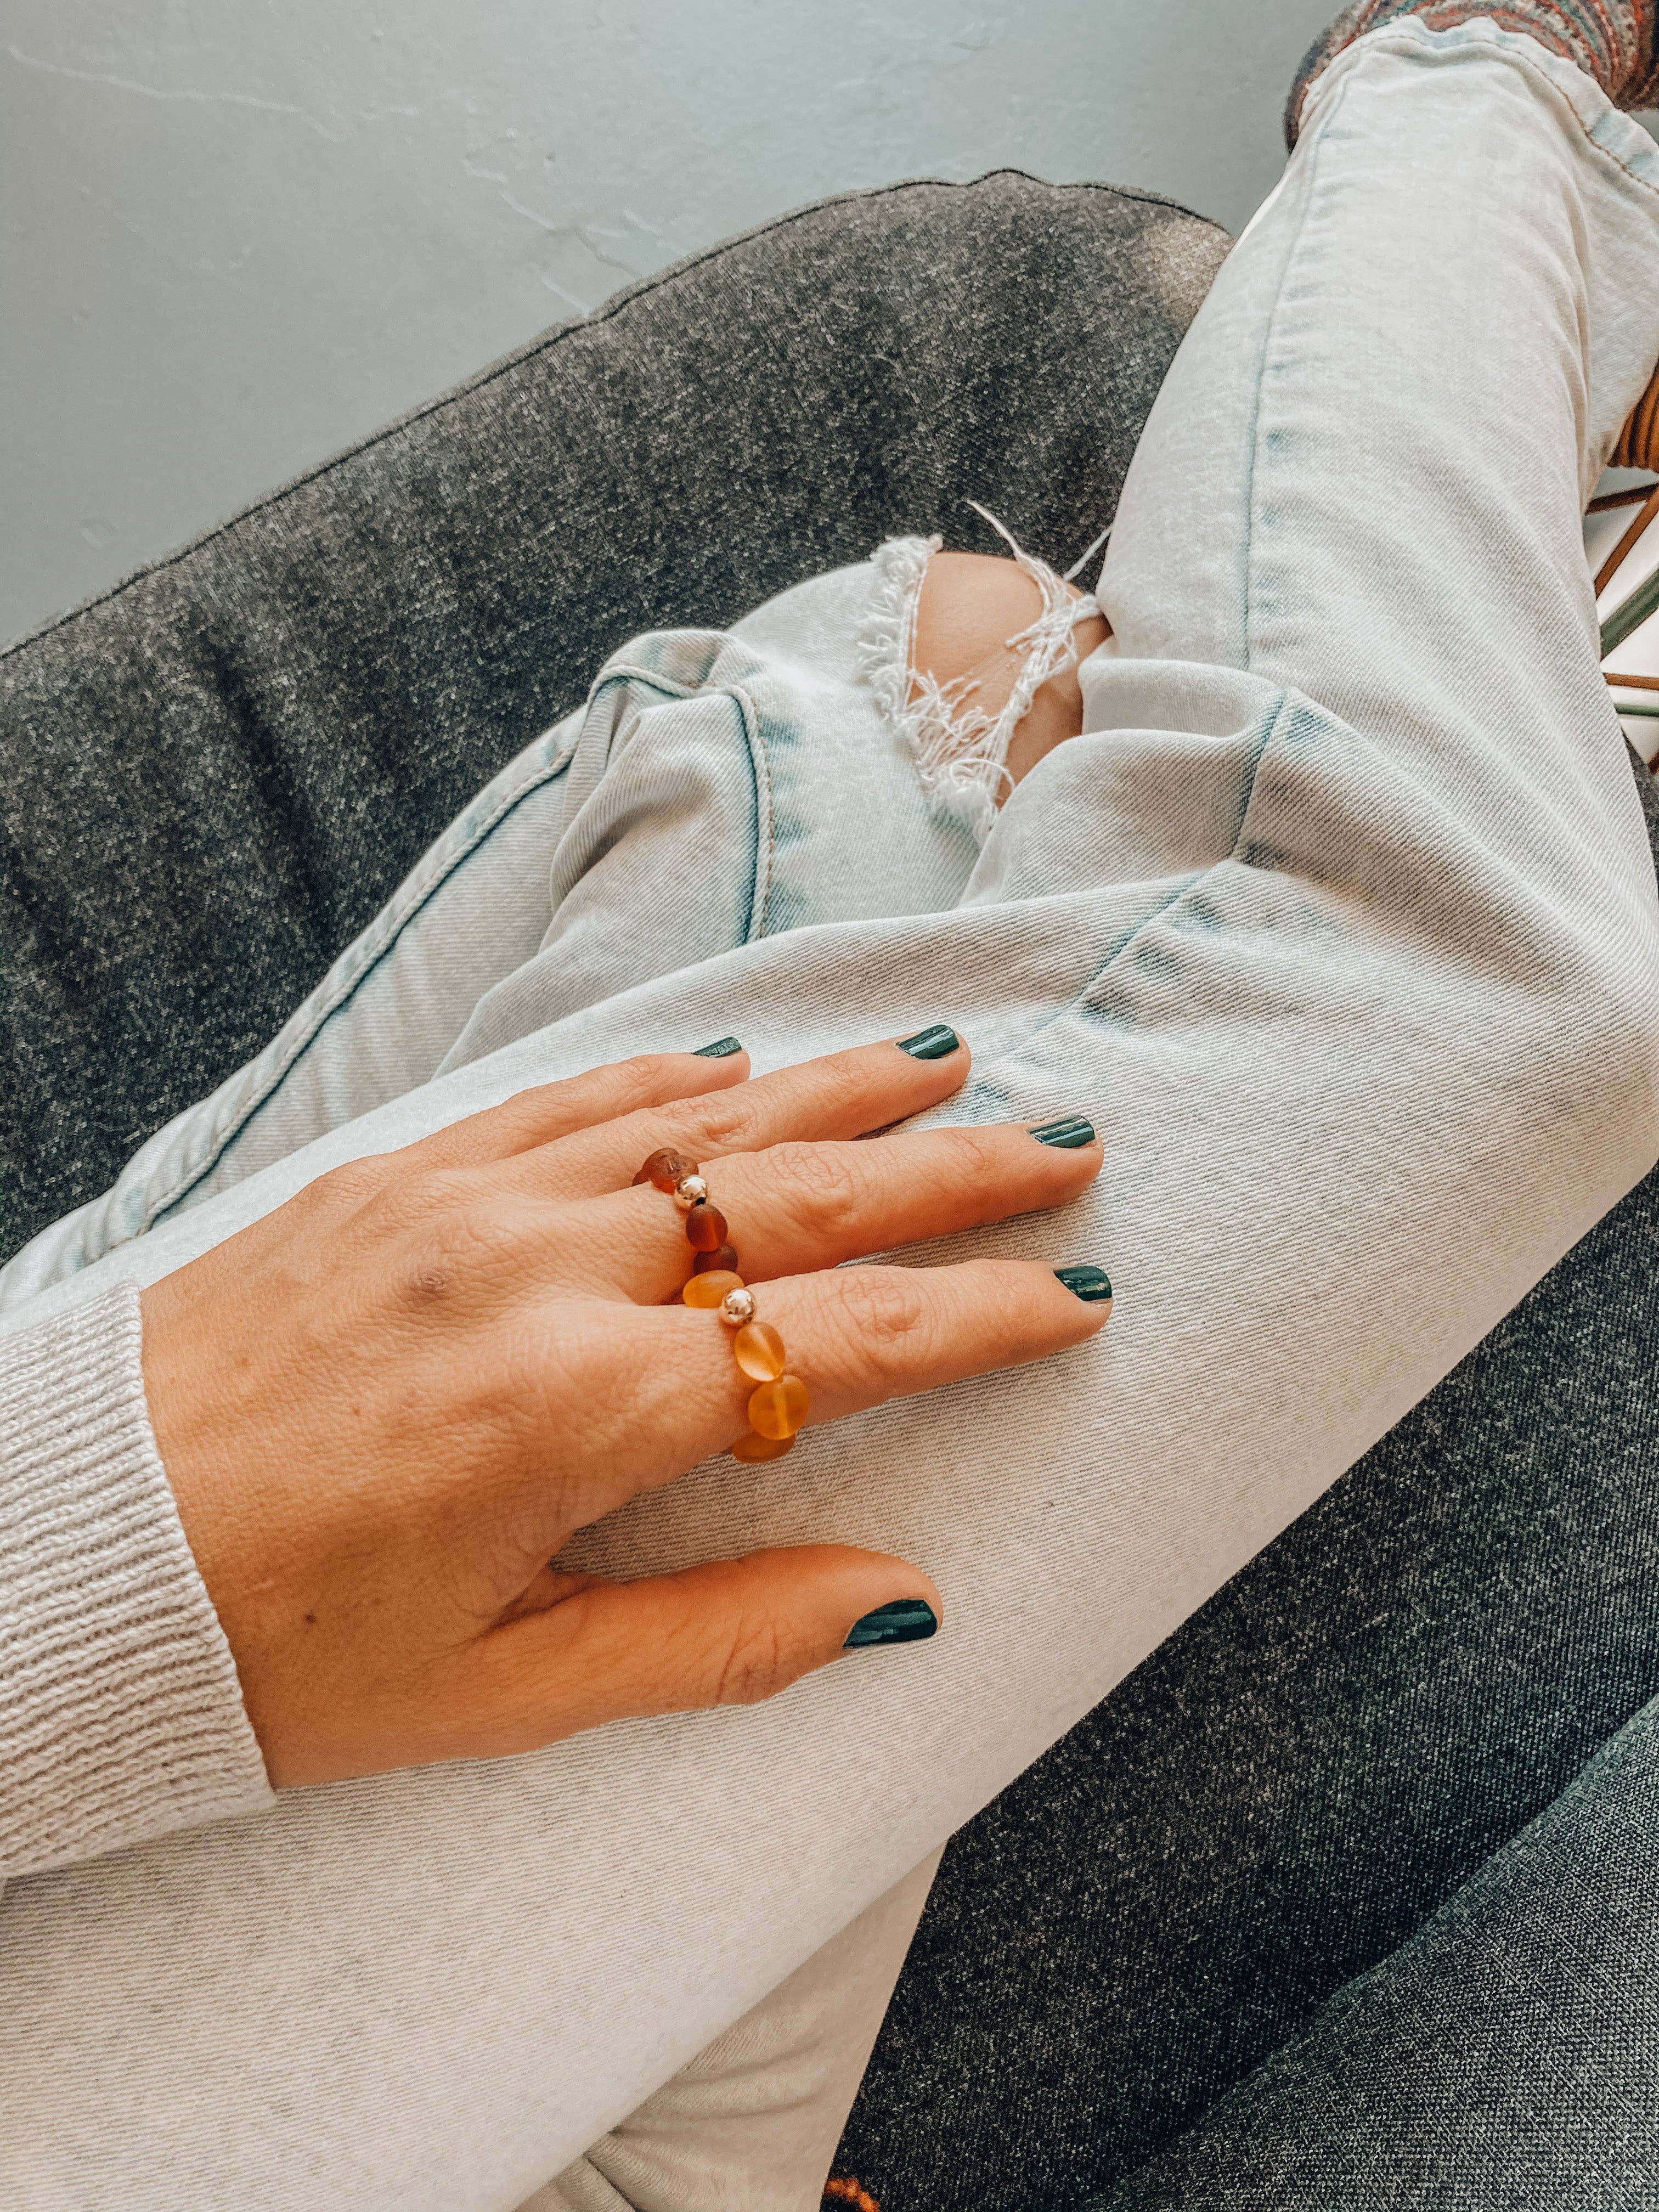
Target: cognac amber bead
pixel 722 1258
pixel 705 1228
pixel 758 1447
pixel 777 1409
pixel 665 1169
pixel 708 1290
pixel 758 1350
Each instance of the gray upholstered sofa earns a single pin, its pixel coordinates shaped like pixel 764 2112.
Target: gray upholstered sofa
pixel 1270 1926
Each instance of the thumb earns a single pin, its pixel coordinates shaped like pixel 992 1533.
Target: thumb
pixel 731 1632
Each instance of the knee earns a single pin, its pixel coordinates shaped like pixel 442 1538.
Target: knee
pixel 971 605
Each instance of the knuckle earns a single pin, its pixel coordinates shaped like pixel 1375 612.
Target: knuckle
pixel 980 1155
pixel 844 1085
pixel 886 1316
pixel 751 1665
pixel 818 1180
pixel 724 1122
pixel 454 1247
pixel 636 1083
pixel 348 1188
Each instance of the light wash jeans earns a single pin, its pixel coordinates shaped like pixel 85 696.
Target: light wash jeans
pixel 714 790
pixel 1340 921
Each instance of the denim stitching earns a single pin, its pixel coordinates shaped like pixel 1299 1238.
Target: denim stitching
pixel 390 926
pixel 760 893
pixel 394 921
pixel 1082 1000
pixel 760 889
pixel 1454 40
pixel 1246 555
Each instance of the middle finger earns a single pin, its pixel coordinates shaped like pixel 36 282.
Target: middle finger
pixel 796 1207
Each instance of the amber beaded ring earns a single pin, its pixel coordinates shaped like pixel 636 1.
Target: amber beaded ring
pixel 777 1406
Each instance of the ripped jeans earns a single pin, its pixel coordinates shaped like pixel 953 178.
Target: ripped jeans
pixel 1338 920
pixel 716 789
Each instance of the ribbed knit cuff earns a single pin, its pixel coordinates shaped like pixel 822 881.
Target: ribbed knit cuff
pixel 120 1714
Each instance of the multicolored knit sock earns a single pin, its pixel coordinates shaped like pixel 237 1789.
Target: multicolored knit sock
pixel 1614 41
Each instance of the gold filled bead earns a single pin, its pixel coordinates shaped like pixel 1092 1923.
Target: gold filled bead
pixel 758 1350
pixel 778 1408
pixel 710 1290
pixel 665 1169
pixel 738 1308
pixel 754 1446
pixel 690 1190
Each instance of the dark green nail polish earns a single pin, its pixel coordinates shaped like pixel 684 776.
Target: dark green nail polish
pixel 936 1043
pixel 722 1048
pixel 1093 1285
pixel 907 1620
pixel 1068 1135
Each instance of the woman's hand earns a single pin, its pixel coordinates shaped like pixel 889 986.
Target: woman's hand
pixel 387 1406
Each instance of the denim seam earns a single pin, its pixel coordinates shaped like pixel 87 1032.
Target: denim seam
pixel 1589 136
pixel 602 314
pixel 1247 552
pixel 1082 997
pixel 395 921
pixel 760 894
pixel 390 926
pixel 760 889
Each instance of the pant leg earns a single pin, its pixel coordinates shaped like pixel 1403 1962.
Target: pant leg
pixel 1363 992
pixel 716 769
pixel 717 788
pixel 750 2125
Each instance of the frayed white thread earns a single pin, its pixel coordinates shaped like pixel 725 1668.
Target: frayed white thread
pixel 961 751
pixel 1090 551
pixel 890 624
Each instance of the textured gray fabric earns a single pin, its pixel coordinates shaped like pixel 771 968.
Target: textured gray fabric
pixel 1503 2058
pixel 211 779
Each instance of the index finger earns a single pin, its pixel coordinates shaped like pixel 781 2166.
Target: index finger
pixel 844 1094
pixel 549 1110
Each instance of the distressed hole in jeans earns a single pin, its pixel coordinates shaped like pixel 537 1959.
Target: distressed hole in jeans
pixel 975 658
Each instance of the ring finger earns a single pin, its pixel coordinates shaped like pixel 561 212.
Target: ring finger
pixel 852 1338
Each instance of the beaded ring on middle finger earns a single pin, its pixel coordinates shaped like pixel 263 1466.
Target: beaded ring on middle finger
pixel 778 1405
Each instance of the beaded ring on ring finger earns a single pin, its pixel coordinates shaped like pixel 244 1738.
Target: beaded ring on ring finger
pixel 778 1405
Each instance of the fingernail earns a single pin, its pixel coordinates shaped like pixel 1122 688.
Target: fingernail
pixel 1068 1135
pixel 722 1048
pixel 907 1620
pixel 1093 1285
pixel 936 1043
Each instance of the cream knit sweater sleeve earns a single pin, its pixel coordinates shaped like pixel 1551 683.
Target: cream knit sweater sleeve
pixel 120 1713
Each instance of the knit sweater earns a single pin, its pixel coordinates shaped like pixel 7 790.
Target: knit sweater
pixel 120 1713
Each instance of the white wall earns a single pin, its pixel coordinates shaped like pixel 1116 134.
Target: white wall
pixel 236 235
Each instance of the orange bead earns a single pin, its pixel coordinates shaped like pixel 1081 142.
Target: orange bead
pixel 705 1228
pixel 758 1447
pixel 665 1169
pixel 708 1290
pixel 777 1409
pixel 758 1350
pixel 722 1257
